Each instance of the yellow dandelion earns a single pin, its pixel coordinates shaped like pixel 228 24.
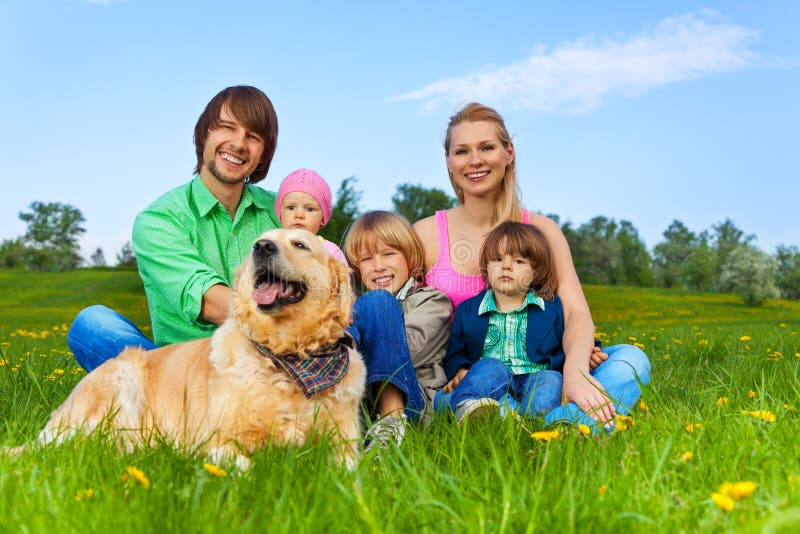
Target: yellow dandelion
pixel 703 342
pixel 623 422
pixel 782 325
pixel 643 407
pixel 723 501
pixel 787 406
pixel 691 427
pixel 722 401
pixel 602 489
pixel 138 476
pixel 677 341
pixel 545 435
pixel 214 470
pixel 585 430
pixel 738 490
pixel 793 481
pixel 637 344
pixel 686 456
pixel 751 394
pixel 797 354
pixel 85 494
pixel 764 415
pixel 745 339
pixel 631 338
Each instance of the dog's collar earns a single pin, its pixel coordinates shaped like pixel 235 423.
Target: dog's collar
pixel 323 369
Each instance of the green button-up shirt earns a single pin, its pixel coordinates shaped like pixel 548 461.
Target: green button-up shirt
pixel 505 337
pixel 185 242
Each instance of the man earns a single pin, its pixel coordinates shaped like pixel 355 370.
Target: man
pixel 189 242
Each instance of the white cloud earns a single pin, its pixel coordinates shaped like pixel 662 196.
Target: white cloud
pixel 581 75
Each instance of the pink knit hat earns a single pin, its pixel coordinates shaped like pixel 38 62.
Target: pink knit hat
pixel 306 181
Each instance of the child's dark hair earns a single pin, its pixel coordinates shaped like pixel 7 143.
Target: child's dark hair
pixel 526 241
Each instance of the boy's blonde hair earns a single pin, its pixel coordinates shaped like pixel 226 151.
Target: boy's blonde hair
pixel 392 229
pixel 526 241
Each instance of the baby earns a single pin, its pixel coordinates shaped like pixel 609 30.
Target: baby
pixel 304 201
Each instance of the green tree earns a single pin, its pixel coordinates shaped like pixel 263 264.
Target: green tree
pixel 596 253
pixel 12 252
pixel 726 238
pixel 98 259
pixel 697 270
pixel 125 257
pixel 637 265
pixel 415 202
pixel 345 211
pixel 750 273
pixel 787 276
pixel 670 255
pixel 51 239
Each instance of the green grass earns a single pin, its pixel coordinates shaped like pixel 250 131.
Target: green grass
pixel 492 476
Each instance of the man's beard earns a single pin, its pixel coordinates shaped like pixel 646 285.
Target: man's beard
pixel 215 172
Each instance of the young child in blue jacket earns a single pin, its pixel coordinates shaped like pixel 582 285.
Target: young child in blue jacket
pixel 505 343
pixel 505 349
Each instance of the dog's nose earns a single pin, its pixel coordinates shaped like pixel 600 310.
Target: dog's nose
pixel 265 247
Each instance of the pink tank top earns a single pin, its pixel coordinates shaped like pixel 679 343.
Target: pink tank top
pixel 458 286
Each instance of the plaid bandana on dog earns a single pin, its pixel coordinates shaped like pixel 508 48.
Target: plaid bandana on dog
pixel 322 370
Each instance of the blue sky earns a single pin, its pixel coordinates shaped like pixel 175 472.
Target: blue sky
pixel 643 111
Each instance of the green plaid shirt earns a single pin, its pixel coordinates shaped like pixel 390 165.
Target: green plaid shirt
pixel 185 242
pixel 505 337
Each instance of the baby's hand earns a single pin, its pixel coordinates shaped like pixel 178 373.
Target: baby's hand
pixel 450 386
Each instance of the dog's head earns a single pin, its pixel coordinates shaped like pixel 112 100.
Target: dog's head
pixel 290 294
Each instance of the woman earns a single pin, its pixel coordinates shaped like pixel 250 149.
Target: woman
pixel 480 161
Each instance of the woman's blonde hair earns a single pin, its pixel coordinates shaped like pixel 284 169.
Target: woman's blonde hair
pixel 508 206
pixel 526 241
pixel 391 228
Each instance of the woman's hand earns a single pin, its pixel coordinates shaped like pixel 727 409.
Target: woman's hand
pixel 597 357
pixel 450 386
pixel 589 395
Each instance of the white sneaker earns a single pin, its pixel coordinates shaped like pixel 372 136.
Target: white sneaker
pixel 386 430
pixel 476 409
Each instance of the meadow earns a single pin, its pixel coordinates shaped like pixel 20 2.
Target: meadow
pixel 712 446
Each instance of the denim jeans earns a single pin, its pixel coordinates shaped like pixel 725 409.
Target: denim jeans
pixel 380 334
pixel 622 375
pixel 527 394
pixel 99 333
pixel 540 393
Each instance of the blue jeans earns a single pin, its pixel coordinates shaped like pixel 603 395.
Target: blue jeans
pixel 527 394
pixel 99 333
pixel 622 375
pixel 380 334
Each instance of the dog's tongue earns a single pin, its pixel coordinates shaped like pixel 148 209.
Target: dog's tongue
pixel 265 294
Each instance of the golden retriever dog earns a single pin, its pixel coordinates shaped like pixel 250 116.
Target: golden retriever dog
pixel 280 369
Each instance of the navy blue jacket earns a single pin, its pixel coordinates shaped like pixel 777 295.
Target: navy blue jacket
pixel 543 340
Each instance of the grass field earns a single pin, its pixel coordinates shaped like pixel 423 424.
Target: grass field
pixel 722 408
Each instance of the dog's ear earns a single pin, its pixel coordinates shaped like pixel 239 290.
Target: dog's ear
pixel 342 288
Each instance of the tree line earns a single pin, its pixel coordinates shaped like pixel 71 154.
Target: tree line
pixel 605 252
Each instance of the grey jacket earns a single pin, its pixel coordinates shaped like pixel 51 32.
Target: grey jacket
pixel 428 313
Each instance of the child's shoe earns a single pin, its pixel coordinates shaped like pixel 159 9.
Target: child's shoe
pixel 386 430
pixel 474 409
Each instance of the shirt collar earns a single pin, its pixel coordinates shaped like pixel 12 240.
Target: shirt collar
pixel 403 293
pixel 488 304
pixel 206 201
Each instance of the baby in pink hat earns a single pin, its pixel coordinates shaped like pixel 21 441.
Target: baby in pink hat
pixel 304 201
